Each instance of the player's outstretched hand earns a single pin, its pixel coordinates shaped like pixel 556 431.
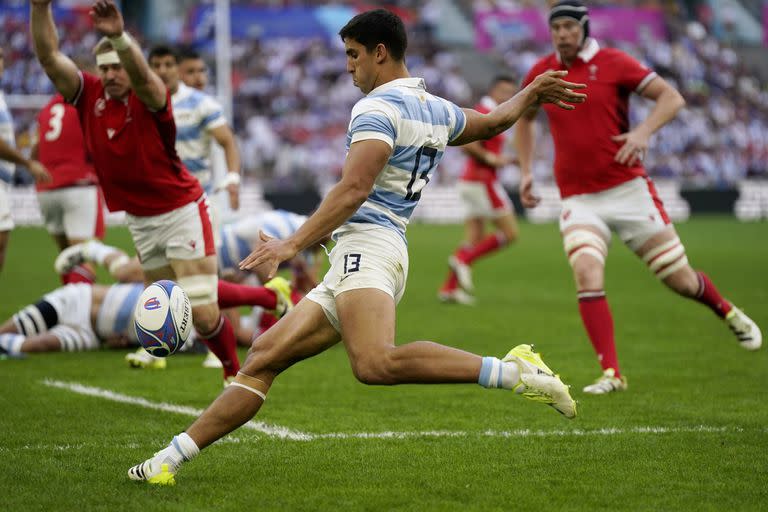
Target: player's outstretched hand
pixel 634 148
pixel 107 18
pixel 549 87
pixel 528 198
pixel 269 255
pixel 39 172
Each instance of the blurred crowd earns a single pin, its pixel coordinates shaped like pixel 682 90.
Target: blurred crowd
pixel 292 99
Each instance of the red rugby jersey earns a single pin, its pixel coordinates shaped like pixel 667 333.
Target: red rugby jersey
pixel 584 151
pixel 476 170
pixel 133 152
pixel 61 147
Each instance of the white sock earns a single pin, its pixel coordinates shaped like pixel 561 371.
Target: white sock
pixel 96 251
pixel 495 373
pixel 12 342
pixel 181 449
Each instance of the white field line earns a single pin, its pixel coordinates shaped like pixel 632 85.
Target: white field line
pixel 295 435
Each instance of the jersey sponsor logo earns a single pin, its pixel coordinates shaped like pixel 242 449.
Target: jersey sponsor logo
pixel 566 214
pixel 110 132
pixel 593 72
pixel 99 106
pixel 152 304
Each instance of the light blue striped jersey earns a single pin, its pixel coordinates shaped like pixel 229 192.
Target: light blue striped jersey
pixel 418 126
pixel 196 114
pixel 8 136
pixel 116 312
pixel 239 238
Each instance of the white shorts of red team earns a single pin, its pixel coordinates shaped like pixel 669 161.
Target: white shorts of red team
pixel 633 210
pixel 484 200
pixel 365 256
pixel 6 220
pixel 185 233
pixel 76 212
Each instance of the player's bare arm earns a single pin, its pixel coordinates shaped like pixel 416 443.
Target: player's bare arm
pixel 548 87
pixel 150 89
pixel 489 158
pixel 226 139
pixel 35 168
pixel 668 103
pixel 59 68
pixel 363 164
pixel 525 140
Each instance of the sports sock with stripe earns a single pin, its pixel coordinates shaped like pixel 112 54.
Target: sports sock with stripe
pixel 495 373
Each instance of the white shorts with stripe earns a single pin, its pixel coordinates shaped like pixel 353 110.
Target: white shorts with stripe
pixel 72 304
pixel 6 221
pixel 367 257
pixel 185 233
pixel 75 212
pixel 484 200
pixel 633 210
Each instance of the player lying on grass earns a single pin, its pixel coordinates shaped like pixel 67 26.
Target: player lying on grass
pixel 396 139
pixel 79 317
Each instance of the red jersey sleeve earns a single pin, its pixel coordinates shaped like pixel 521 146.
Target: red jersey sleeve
pixel 87 84
pixel 633 75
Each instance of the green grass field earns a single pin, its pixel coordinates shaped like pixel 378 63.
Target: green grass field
pixel 690 434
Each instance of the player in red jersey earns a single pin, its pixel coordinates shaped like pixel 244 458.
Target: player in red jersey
pixel 127 120
pixel 604 187
pixel 484 199
pixel 71 204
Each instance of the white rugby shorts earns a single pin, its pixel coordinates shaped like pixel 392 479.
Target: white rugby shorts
pixel 6 221
pixel 73 307
pixel 185 233
pixel 484 200
pixel 75 212
pixel 368 257
pixel 633 210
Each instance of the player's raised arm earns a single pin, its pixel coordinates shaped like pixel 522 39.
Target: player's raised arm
pixel 363 164
pixel 59 68
pixel 548 87
pixel 226 139
pixel 146 84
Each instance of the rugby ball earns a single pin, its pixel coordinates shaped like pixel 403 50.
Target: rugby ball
pixel 163 318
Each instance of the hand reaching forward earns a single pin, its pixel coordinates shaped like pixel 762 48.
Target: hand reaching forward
pixel 107 18
pixel 549 87
pixel 269 255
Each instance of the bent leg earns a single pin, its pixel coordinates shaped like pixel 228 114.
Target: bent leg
pixel 302 333
pixel 367 318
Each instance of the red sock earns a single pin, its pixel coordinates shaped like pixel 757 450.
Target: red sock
pixel 709 295
pixel 232 295
pixel 598 322
pixel 486 246
pixel 79 274
pixel 451 283
pixel 223 343
pixel 267 321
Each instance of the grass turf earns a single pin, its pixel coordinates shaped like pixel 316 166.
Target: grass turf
pixel 64 451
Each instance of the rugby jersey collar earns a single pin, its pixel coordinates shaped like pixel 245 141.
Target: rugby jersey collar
pixel 181 93
pixel 413 82
pixel 587 52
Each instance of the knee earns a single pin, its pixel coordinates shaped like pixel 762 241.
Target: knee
pixel 206 318
pixel 372 369
pixel 588 274
pixel 263 358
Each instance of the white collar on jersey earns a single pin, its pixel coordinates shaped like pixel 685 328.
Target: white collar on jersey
pixel 414 82
pixel 488 102
pixel 181 93
pixel 587 52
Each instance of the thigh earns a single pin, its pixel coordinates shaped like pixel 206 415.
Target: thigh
pixel 302 333
pixel 367 318
pixel 81 212
pixel 165 272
